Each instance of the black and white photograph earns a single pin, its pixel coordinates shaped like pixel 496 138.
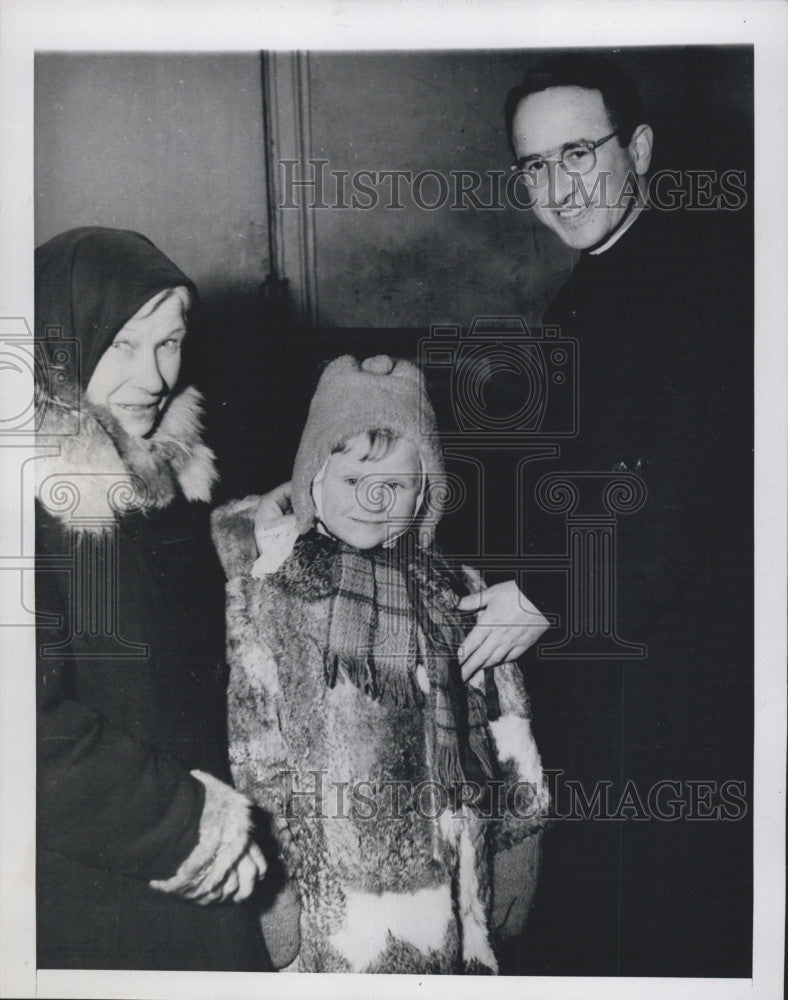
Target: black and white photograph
pixel 394 489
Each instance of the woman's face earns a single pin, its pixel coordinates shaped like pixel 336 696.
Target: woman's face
pixel 136 374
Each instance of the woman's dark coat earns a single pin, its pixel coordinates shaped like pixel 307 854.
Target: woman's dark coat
pixel 130 644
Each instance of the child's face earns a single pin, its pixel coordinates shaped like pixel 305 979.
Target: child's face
pixel 366 503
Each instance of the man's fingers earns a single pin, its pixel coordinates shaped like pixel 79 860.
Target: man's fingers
pixel 515 652
pixel 471 643
pixel 481 635
pixel 473 602
pixel 198 892
pixel 471 667
pixel 481 657
pixel 280 495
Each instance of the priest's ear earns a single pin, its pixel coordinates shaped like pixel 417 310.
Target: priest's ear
pixel 640 146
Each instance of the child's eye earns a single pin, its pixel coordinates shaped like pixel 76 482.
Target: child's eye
pixel 351 481
pixel 394 486
pixel 122 345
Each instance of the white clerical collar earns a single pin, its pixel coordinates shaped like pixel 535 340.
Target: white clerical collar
pixel 616 236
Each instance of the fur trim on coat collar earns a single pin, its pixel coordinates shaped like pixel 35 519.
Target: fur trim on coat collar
pixel 95 471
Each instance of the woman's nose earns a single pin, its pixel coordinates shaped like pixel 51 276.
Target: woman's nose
pixel 147 374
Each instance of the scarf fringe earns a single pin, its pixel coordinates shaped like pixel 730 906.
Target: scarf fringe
pixel 480 747
pixel 391 687
pixel 477 734
pixel 448 765
pixel 389 612
pixel 360 672
pixel 399 688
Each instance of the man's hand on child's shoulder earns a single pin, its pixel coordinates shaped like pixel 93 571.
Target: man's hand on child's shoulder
pixel 506 626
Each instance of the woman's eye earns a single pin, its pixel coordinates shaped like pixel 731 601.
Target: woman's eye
pixel 171 344
pixel 122 345
pixel 351 481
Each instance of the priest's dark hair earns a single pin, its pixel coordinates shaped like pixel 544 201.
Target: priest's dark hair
pixel 590 71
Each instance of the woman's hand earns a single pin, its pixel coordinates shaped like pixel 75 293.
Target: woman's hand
pixel 507 624
pixel 225 863
pixel 241 878
pixel 272 507
pixel 215 884
pixel 268 513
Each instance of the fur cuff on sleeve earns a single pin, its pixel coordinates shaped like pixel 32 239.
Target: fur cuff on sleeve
pixel 519 759
pixel 225 830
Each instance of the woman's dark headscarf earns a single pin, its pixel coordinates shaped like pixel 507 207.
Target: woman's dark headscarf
pixel 88 283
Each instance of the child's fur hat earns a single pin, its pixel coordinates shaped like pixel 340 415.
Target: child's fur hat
pixel 380 393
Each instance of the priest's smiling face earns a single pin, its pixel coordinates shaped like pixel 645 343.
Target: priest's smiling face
pixel 583 210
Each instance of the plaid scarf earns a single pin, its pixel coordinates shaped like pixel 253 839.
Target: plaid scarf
pixel 391 610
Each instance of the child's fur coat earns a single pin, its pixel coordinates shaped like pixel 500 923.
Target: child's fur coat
pixel 400 892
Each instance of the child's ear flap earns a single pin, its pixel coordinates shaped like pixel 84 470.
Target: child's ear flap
pixel 425 482
pixel 317 491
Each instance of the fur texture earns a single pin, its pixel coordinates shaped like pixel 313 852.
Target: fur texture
pixel 515 745
pixel 233 525
pixel 293 740
pixel 225 831
pixel 100 472
pixel 474 898
pixel 421 919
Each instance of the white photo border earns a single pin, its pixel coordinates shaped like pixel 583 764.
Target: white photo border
pixel 29 26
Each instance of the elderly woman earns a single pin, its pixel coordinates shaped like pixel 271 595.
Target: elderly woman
pixel 146 855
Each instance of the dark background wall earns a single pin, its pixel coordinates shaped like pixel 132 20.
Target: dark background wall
pixel 172 145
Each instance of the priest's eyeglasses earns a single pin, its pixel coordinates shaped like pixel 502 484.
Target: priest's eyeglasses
pixel 575 157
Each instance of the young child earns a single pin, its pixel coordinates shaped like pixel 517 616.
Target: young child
pixel 393 782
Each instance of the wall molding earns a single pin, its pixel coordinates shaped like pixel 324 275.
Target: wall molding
pixel 287 129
